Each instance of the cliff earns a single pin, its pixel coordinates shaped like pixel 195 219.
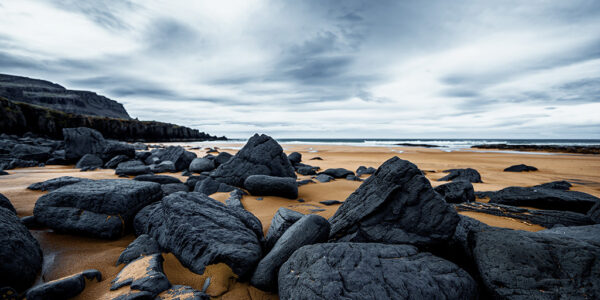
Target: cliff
pixel 19 118
pixel 52 95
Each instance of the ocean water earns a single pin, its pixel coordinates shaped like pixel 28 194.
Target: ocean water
pixel 442 144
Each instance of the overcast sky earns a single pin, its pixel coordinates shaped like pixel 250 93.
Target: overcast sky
pixel 376 69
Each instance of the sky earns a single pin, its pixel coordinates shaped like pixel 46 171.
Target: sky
pixel 323 69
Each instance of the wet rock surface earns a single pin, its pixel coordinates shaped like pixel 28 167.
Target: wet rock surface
pixel 63 288
pixel 282 220
pixel 263 185
pixel 468 174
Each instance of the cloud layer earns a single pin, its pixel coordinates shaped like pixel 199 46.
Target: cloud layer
pixel 384 69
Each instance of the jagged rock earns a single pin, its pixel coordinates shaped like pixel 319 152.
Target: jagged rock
pixel 330 202
pixel 337 172
pixel 63 288
pixel 371 271
pixel 5 203
pixel 520 168
pixel 468 174
pixel 98 208
pixel 200 165
pixel 263 185
pixel 20 253
pixel 456 191
pixel 114 148
pixel 81 141
pixel 364 170
pixel 235 199
pixel 163 167
pixel 396 205
pixel 556 185
pixel 310 229
pixel 201 231
pixel 282 220
pixel 9 164
pixel 459 247
pixel 162 179
pixel 182 292
pixel 193 179
pixel 589 232
pixel 210 186
pixel 594 213
pixel 543 198
pixel 143 245
pixel 303 182
pixel 89 161
pixel 262 155
pixel 306 170
pixel 115 161
pixel 517 264
pixel 323 178
pixel 295 158
pixel 179 156
pixel 143 274
pixel 31 152
pixel 222 158
pixel 142 155
pixel 171 188
pixel 132 167
pixel 55 183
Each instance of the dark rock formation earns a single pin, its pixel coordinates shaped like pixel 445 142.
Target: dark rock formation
pixel 115 161
pixel 209 186
pixel 295 158
pixel 171 188
pixel 396 205
pixel 163 166
pixel 594 213
pixel 81 141
pixel 262 155
pixel 589 232
pixel 235 199
pixel 201 231
pixel 201 164
pixel 2 172
pixel 20 253
pixel 178 155
pixel 556 185
pixel 182 292
pixel 337 172
pixel 371 271
pixel 592 149
pixel 330 202
pixel 535 265
pixel 162 179
pixel 520 168
pixel 5 203
pixel 132 167
pixel 553 199
pixel 98 208
pixel 263 185
pixel 364 170
pixel 303 182
pixel 468 174
pixel 13 163
pixel 143 274
pixel 55 183
pixel 323 178
pixel 282 220
pixel 456 191
pixel 306 170
pixel 114 148
pixel 353 177
pixel 31 152
pixel 89 162
pixel 222 158
pixel 63 288
pixel 316 158
pixel 310 229
pixel 143 245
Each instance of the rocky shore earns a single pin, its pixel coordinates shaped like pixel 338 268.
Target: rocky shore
pixel 595 149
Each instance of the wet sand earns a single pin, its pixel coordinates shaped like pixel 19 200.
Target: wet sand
pixel 65 255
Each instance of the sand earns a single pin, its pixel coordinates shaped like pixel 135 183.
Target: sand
pixel 65 255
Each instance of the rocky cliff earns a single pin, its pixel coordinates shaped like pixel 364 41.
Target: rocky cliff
pixel 52 95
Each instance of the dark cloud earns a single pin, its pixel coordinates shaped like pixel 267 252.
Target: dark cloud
pixel 169 36
pixel 103 12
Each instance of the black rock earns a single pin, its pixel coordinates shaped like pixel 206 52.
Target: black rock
pixel 371 271
pixel 330 202
pixel 143 245
pixel 5 203
pixel 55 183
pixel 31 152
pixel 316 158
pixel 140 146
pixel 9 164
pixel 163 167
pixel 262 155
pixel 98 208
pixel 179 156
pixel 517 264
pixel 556 185
pixel 459 248
pixel 323 178
pixel 63 288
pixel 2 172
pixel 182 292
pixel 222 158
pixel 81 141
pixel 295 157
pixel 171 188
pixel 142 155
pixel 30 222
pixel 186 173
pixel 209 186
pixel 396 205
pixel 310 229
pixel 132 167
pixel 364 170
pixel 162 179
pixel 20 253
pixel 115 161
pixel 543 198
pixel 235 199
pixel 353 177
pixel 306 170
pixel 594 213
pixel 143 274
pixel 114 148
pixel 456 191
pixel 282 220
pixel 520 168
pixel 201 231
pixel 468 174
pixel 193 179
pixel 263 185
pixel 589 232
pixel 89 161
pixel 200 165
pixel 303 182
pixel 337 172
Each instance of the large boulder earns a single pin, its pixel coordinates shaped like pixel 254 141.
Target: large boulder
pixel 544 198
pixel 396 205
pixel 89 162
pixel 310 229
pixel 468 174
pixel 222 158
pixel 5 203
pixel 55 183
pixel 132 167
pixel 520 168
pixel 295 158
pixel 263 185
pixel 535 265
pixel 589 232
pixel 81 141
pixel 31 152
pixel 283 219
pixel 209 186
pixel 63 288
pixel 178 155
pixel 201 231
pixel 456 191
pixel 371 271
pixel 99 208
pixel 337 172
pixel 364 170
pixel 262 155
pixel 202 164
pixel 114 148
pixel 163 167
pixel 20 253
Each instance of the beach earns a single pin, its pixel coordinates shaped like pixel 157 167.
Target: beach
pixel 67 254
